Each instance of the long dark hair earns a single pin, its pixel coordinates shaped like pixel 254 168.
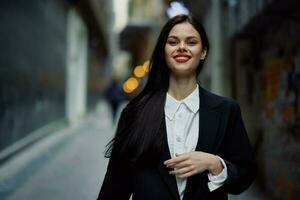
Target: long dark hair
pixel 139 137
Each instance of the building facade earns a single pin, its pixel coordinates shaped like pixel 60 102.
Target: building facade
pixel 52 58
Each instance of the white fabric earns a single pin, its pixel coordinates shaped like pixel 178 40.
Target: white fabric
pixel 217 180
pixel 182 123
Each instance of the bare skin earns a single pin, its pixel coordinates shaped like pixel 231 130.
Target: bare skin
pixel 189 164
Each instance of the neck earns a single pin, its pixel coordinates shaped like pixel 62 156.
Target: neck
pixel 179 88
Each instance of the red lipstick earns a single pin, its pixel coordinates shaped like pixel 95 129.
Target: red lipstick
pixel 182 58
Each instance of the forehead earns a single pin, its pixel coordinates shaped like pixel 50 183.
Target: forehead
pixel 184 30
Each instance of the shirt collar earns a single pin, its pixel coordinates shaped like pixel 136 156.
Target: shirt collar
pixel 191 101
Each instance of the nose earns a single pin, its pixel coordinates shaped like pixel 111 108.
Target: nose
pixel 182 46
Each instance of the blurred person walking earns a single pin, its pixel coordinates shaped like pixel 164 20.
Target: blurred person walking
pixel 176 140
pixel 115 96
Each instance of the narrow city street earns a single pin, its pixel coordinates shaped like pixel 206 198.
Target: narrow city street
pixel 67 165
pixel 61 59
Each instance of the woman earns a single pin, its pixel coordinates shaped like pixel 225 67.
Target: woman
pixel 176 140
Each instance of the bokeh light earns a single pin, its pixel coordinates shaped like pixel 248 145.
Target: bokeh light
pixel 146 66
pixel 139 71
pixel 130 85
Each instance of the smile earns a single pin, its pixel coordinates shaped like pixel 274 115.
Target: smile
pixel 182 58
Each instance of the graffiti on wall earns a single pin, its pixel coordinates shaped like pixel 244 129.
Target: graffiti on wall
pixel 281 86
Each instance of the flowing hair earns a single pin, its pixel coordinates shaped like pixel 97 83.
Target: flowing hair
pixel 140 136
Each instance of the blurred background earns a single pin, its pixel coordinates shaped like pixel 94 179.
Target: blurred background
pixel 67 67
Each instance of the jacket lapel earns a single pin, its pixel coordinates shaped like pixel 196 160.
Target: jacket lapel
pixel 209 121
pixel 164 171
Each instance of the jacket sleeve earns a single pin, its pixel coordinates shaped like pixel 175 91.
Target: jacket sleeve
pixel 237 154
pixel 117 182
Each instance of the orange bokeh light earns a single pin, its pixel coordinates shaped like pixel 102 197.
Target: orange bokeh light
pixel 146 66
pixel 139 71
pixel 130 85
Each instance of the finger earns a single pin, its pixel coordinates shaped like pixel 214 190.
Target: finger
pixel 191 173
pixel 181 171
pixel 176 159
pixel 179 165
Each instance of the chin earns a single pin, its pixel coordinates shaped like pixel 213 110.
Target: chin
pixel 183 73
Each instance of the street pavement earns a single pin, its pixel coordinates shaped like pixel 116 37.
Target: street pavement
pixel 66 165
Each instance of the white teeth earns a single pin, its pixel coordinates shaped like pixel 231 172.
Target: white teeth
pixel 182 58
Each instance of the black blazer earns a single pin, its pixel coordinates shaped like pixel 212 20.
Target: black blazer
pixel 221 132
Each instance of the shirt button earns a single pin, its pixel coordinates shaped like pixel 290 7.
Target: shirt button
pixel 178 139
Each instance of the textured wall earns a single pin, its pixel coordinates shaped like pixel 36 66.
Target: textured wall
pixel 32 66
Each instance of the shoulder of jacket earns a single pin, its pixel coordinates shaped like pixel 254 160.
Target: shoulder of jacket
pixel 226 102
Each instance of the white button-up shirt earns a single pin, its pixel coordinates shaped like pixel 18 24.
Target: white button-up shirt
pixel 182 122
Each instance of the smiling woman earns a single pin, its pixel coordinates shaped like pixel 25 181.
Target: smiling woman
pixel 184 46
pixel 176 140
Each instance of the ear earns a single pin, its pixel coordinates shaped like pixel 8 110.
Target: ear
pixel 204 53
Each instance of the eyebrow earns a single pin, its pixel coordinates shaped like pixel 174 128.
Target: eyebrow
pixel 189 37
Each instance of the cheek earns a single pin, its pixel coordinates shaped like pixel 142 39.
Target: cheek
pixel 168 54
pixel 198 58
pixel 198 55
pixel 168 60
pixel 168 51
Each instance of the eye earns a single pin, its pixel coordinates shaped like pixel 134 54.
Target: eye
pixel 172 42
pixel 192 42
